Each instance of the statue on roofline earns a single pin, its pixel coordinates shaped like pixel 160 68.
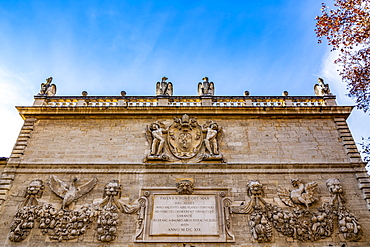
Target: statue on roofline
pixel 47 88
pixel 164 88
pixel 206 88
pixel 321 88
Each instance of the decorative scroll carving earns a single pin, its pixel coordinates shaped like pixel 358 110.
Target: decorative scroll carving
pixel 302 194
pixel 260 228
pixel 226 202
pixel 143 202
pixel 321 88
pixel 69 193
pixel 47 88
pixel 300 224
pixel 185 139
pixel 185 187
pixel 206 88
pixel 164 88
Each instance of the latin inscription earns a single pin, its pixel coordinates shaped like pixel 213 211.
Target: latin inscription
pixel 184 215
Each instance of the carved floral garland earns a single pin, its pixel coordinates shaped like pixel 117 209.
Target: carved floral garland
pixel 300 224
pixel 66 224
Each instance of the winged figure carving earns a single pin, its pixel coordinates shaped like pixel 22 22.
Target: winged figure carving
pixel 321 88
pixel 164 88
pixel 206 87
pixel 302 194
pixel 48 88
pixel 68 192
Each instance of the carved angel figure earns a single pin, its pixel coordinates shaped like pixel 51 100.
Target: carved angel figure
pixel 68 192
pixel 302 194
pixel 164 88
pixel 321 88
pixel 48 88
pixel 155 137
pixel 212 134
pixel 206 87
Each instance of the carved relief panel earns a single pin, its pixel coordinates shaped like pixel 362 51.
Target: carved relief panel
pixel 184 139
pixel 185 213
pixel 301 223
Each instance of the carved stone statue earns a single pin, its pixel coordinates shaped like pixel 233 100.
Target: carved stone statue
pixel 47 88
pixel 164 88
pixel 211 141
pixel 302 194
pixel 158 140
pixel 321 88
pixel 155 135
pixel 206 88
pixel 185 187
pixel 68 192
pixel 211 138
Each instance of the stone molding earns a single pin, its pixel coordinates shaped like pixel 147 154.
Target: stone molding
pixel 7 176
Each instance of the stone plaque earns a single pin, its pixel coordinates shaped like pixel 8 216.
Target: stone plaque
pixel 202 216
pixel 184 215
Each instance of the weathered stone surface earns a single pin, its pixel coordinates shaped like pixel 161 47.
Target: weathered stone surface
pixel 263 147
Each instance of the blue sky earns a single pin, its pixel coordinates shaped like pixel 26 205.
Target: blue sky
pixel 105 47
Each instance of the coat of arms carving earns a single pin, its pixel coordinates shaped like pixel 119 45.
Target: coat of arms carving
pixel 184 139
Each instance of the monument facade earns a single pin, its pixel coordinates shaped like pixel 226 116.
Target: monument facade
pixel 187 171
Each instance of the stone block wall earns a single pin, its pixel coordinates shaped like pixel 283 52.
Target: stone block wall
pixel 122 140
pixel 270 148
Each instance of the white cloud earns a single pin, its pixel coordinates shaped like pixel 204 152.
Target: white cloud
pixel 358 121
pixel 14 91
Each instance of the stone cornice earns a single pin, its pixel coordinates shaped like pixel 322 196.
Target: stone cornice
pixel 43 111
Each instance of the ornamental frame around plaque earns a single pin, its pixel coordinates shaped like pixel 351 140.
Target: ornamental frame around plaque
pixel 222 211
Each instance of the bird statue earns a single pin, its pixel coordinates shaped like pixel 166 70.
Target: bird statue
pixel 321 88
pixel 206 88
pixel 164 88
pixel 302 194
pixel 68 192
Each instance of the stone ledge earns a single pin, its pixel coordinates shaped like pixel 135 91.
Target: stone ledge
pixel 185 171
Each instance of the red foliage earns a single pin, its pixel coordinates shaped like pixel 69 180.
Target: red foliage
pixel 347 29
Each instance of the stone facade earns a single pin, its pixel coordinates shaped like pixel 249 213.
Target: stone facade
pixel 262 171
